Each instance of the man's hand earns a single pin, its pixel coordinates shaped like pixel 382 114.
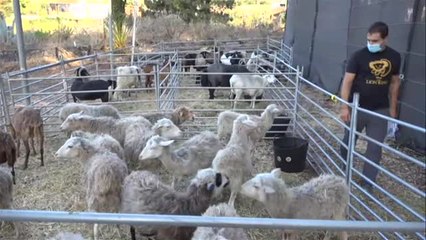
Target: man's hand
pixel 345 114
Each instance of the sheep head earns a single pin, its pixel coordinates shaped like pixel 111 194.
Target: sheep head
pixel 211 180
pixel 274 109
pixel 154 147
pixel 263 184
pixel 166 128
pixel 269 79
pixel 185 114
pixel 82 71
pixel 72 148
pixel 72 120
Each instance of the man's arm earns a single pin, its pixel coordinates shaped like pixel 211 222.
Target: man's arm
pixel 344 93
pixel 394 92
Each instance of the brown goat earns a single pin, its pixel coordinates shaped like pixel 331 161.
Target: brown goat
pixel 149 78
pixel 8 152
pixel 149 68
pixel 27 124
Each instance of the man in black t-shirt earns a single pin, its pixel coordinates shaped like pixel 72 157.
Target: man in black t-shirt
pixel 373 72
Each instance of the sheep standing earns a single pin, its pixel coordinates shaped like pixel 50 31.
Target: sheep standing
pixel 27 124
pixel 102 140
pixel 143 192
pixel 216 233
pixel 233 57
pixel 93 85
pixel 265 120
pixel 6 193
pixel 8 152
pixel 104 174
pixel 251 85
pixel 178 116
pixel 95 111
pixel 127 77
pixel 234 161
pixel 324 197
pixel 194 154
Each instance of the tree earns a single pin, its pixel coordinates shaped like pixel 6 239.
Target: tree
pixel 192 10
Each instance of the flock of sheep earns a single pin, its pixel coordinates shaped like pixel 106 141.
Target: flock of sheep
pixel 113 148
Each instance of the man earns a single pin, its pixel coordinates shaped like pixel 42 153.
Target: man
pixel 373 72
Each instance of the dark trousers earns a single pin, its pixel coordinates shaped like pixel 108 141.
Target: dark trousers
pixel 376 128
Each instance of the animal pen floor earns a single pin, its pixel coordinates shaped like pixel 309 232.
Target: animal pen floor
pixel 57 185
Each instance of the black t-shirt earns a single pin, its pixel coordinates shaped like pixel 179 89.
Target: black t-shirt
pixel 373 76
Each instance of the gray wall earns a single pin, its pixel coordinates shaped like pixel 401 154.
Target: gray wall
pixel 323 33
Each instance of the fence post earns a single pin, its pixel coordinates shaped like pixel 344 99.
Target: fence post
pixel 275 62
pixel 296 94
pixel 12 99
pixel 96 65
pixel 267 43
pixel 111 44
pixel 64 81
pixel 5 107
pixel 157 85
pixel 351 142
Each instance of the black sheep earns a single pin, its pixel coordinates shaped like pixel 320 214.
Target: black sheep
pixel 80 85
pixel 221 80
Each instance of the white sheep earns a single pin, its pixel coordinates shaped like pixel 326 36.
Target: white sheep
pixel 218 233
pixel 234 161
pixel 102 140
pixel 265 120
pixel 143 192
pixel 94 111
pixel 104 174
pixel 252 85
pixel 6 193
pixel 323 197
pixel 127 77
pixel 194 154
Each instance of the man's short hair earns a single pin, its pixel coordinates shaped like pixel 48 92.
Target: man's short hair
pixel 379 27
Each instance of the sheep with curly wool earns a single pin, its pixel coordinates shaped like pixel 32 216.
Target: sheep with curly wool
pixel 95 111
pixel 143 192
pixel 323 197
pixel 234 161
pixel 102 140
pixel 6 194
pixel 127 77
pixel 178 116
pixel 252 85
pixel 218 233
pixel 194 154
pixel 104 174
pixel 265 120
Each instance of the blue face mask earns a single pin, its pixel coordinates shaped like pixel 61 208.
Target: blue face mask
pixel 373 48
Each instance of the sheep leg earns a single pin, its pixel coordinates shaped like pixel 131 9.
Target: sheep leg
pixel 27 153
pixel 32 146
pixel 238 96
pixel 41 143
pixel 253 101
pixel 132 233
pixel 232 198
pixel 18 146
pixel 95 231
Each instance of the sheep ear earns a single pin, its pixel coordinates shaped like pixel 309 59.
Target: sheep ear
pixel 276 172
pixel 210 187
pixel 268 189
pixel 166 143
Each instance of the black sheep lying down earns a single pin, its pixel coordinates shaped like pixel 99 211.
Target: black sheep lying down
pixel 80 85
pixel 221 80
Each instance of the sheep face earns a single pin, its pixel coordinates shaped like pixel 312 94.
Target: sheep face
pixel 71 148
pixel 186 114
pixel 270 79
pixel 154 147
pixel 71 121
pixel 166 128
pixel 274 109
pixel 261 185
pixel 82 71
pixel 213 181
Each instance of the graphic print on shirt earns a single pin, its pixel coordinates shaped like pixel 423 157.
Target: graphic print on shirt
pixel 380 69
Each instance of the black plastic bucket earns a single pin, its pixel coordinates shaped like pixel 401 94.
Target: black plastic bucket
pixel 290 154
pixel 278 131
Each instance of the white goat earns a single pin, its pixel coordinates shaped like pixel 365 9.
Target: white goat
pixel 324 197
pixel 251 85
pixel 234 161
pixel 127 77
pixel 194 154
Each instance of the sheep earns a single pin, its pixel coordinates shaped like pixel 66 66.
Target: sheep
pixel 95 85
pixel 195 153
pixel 127 77
pixel 143 192
pixel 95 111
pixel 27 124
pixel 132 132
pixel 6 193
pixel 217 233
pixel 233 57
pixel 323 197
pixel 104 174
pixel 234 161
pixel 260 60
pixel 264 121
pixel 178 116
pixel 8 152
pixel 103 140
pixel 251 85
pixel 220 80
